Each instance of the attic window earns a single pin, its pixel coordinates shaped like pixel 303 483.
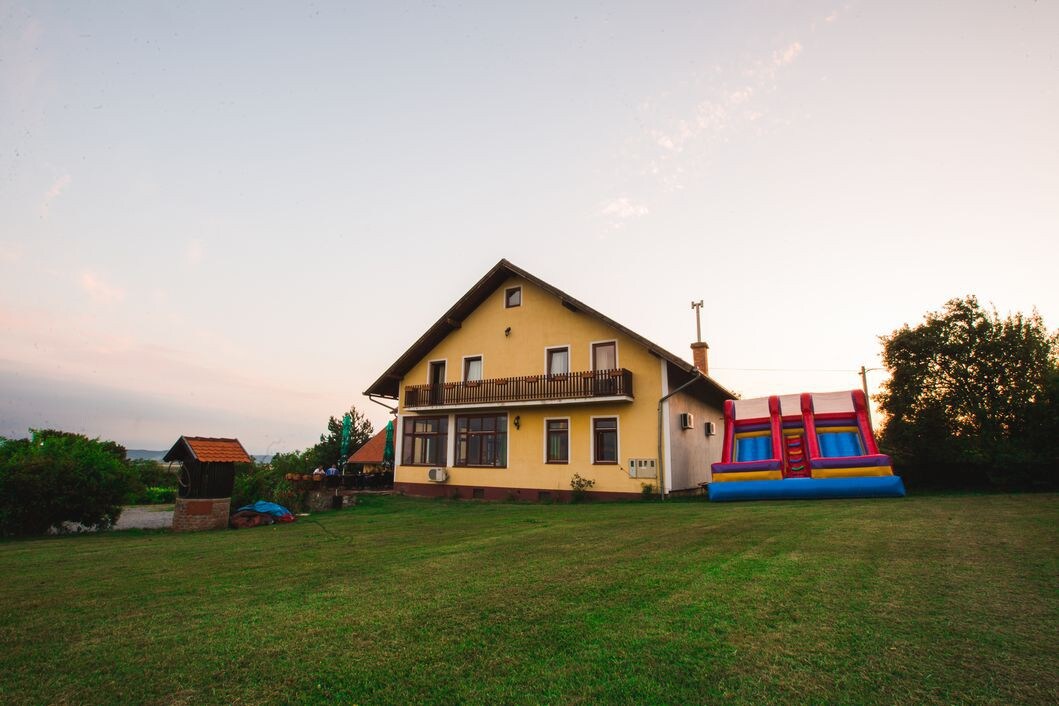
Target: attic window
pixel 512 297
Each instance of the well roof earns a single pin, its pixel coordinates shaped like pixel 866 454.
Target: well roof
pixel 207 449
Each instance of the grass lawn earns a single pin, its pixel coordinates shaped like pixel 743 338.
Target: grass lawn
pixel 939 599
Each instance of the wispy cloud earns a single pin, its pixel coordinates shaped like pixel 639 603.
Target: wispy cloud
pixel 683 127
pixel 57 188
pixel 619 210
pixel 99 289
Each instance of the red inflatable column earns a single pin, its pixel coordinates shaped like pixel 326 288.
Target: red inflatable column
pixel 777 427
pixel 809 420
pixel 729 431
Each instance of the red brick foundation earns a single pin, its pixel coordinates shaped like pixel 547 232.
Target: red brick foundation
pixel 196 514
pixel 470 492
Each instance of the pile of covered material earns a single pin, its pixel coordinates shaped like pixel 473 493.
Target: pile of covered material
pixel 260 513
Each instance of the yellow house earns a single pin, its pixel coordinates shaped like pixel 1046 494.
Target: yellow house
pixel 519 387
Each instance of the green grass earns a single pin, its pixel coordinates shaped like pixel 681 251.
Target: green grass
pixel 942 599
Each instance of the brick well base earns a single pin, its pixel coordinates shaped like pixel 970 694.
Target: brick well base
pixel 196 514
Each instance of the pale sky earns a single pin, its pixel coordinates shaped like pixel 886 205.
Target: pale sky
pixel 228 219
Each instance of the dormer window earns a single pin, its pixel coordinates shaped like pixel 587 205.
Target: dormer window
pixel 512 297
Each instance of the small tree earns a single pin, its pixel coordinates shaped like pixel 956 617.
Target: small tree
pixel 329 449
pixel 56 477
pixel 967 387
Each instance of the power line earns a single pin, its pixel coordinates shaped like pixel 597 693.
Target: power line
pixel 792 370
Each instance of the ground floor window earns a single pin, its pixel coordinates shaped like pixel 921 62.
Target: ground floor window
pixel 481 440
pixel 558 440
pixel 605 440
pixel 424 441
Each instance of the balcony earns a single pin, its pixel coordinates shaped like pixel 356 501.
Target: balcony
pixel 588 386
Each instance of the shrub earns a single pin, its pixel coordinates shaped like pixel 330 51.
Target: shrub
pixel 580 487
pixel 155 495
pixel 647 490
pixel 147 474
pixel 268 481
pixel 56 477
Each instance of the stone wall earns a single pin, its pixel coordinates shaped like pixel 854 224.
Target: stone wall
pixel 196 514
pixel 319 500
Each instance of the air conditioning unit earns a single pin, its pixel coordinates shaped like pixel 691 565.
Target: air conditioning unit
pixel 643 468
pixel 710 427
pixel 438 475
pixel 687 420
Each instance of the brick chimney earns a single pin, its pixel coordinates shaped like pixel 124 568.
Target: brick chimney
pixel 700 354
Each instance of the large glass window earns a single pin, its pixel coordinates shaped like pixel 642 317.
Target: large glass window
pixel 424 441
pixel 481 440
pixel 558 361
pixel 558 441
pixel 605 440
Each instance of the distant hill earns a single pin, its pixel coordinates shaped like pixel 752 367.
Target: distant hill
pixel 144 454
pixel 141 454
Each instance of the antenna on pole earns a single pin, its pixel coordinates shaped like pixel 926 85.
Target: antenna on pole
pixel 697 306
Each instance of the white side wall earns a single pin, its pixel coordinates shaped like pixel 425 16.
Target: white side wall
pixel 692 451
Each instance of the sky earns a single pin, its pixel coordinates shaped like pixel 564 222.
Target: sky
pixel 229 218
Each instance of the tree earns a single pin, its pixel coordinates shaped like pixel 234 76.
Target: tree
pixel 329 449
pixel 56 477
pixel 968 387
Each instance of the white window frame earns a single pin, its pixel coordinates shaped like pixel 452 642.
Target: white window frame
pixel 521 296
pixel 549 349
pixel 591 353
pixel 569 438
pixel 592 439
pixel 463 366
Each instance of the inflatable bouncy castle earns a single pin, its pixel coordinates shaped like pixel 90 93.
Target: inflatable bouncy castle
pixel 813 445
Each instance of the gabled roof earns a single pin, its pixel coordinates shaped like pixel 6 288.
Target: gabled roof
pixel 207 450
pixel 372 451
pixel 388 385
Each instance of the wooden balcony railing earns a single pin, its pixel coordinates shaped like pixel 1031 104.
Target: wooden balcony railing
pixel 528 388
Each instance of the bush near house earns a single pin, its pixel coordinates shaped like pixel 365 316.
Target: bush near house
pixel 55 477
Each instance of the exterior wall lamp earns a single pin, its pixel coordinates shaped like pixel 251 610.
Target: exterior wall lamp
pixel 518 421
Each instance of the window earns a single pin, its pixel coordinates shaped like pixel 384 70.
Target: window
pixel 472 368
pixel 557 442
pixel 512 297
pixel 605 356
pixel 482 440
pixel 424 441
pixel 558 361
pixel 605 440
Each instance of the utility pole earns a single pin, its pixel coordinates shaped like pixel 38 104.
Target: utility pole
pixel 697 306
pixel 867 399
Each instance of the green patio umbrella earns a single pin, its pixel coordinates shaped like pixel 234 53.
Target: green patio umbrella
pixel 347 429
pixel 387 451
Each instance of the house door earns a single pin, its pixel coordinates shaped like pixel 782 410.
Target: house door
pixel 437 382
pixel 604 358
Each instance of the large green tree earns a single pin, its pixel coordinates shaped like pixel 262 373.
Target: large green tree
pixel 969 387
pixel 56 477
pixel 329 449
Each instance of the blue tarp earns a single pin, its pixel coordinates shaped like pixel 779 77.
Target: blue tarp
pixel 266 508
pixel 808 488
